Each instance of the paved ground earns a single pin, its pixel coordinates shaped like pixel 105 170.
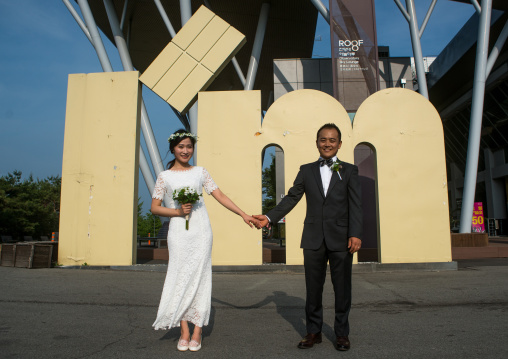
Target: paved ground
pixel 77 313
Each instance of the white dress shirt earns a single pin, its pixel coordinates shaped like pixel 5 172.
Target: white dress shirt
pixel 326 175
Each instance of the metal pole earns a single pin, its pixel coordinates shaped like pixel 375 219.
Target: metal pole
pixel 475 126
pixel 417 49
pixel 496 50
pixel 165 18
pixel 402 10
pixel 106 66
pixel 124 14
pixel 96 37
pixel 145 168
pixel 256 47
pixel 149 181
pixel 185 11
pixel 185 15
pixel 238 70
pixel 476 6
pixel 80 22
pixel 322 10
pixel 146 127
pixel 427 17
pixel 233 60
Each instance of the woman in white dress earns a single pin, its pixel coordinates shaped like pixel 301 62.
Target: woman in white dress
pixel 186 296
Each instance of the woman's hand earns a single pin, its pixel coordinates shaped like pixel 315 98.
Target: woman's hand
pixel 250 221
pixel 185 209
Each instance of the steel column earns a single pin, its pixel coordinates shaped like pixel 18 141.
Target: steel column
pixel 427 17
pixel 322 10
pixel 185 11
pixel 185 15
pixel 233 60
pixel 256 47
pixel 475 126
pixel 96 41
pixel 96 37
pixel 476 6
pixel 124 14
pixel 417 49
pixel 496 49
pixel 146 127
pixel 165 18
pixel 80 22
pixel 402 10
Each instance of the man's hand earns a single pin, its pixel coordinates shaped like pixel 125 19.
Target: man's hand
pixel 354 244
pixel 263 221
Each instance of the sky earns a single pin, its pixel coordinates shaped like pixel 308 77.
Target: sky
pixel 41 44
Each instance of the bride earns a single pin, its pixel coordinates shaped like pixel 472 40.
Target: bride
pixel 186 296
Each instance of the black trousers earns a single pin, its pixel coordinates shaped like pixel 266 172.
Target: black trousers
pixel 315 262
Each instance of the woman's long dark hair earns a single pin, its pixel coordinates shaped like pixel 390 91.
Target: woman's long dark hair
pixel 175 141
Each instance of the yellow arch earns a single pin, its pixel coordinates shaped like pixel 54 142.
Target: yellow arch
pixel 404 128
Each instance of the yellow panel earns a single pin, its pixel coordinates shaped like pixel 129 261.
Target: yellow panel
pixel 402 126
pixel 407 134
pixel 98 210
pixel 207 38
pixel 160 65
pixel 185 96
pixel 175 76
pixel 193 27
pixel 224 50
pixel 232 117
pixel 236 116
pixel 212 39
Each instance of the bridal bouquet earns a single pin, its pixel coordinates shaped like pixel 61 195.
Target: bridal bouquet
pixel 186 195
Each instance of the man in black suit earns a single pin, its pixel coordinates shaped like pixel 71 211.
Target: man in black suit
pixel 331 233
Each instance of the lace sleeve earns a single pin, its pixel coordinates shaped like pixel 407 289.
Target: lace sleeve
pixel 159 189
pixel 208 183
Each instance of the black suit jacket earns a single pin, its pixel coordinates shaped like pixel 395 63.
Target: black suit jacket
pixel 332 218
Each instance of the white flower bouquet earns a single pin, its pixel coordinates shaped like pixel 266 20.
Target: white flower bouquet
pixel 186 195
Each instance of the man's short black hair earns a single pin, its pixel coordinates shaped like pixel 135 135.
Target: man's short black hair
pixel 329 126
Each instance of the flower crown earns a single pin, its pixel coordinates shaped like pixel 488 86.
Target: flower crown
pixel 182 134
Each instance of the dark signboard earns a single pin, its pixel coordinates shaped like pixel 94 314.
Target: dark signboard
pixel 354 51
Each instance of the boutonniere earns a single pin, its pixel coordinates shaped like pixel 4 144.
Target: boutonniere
pixel 336 167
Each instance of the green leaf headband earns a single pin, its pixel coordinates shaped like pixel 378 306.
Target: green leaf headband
pixel 182 134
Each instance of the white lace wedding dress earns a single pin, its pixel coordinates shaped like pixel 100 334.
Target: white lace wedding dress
pixel 187 290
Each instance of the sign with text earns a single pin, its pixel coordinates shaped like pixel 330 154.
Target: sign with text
pixel 478 220
pixel 354 51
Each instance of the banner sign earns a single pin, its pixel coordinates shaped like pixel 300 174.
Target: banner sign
pixel 478 220
pixel 354 51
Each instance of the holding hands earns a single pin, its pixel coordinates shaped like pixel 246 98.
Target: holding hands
pixel 251 221
pixel 262 220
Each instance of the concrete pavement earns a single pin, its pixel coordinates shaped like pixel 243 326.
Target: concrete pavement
pixel 75 313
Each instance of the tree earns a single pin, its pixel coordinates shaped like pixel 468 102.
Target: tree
pixel 29 207
pixel 269 198
pixel 268 182
pixel 147 223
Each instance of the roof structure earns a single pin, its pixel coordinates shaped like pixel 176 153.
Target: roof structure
pixel 289 33
pixel 450 82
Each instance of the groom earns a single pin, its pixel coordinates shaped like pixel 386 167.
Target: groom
pixel 331 232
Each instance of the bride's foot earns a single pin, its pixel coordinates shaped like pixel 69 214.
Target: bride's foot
pixel 183 345
pixel 195 343
pixel 183 342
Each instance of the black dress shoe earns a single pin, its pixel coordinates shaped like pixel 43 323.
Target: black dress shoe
pixel 309 340
pixel 343 343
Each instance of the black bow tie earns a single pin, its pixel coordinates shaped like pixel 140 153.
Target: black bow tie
pixel 328 162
